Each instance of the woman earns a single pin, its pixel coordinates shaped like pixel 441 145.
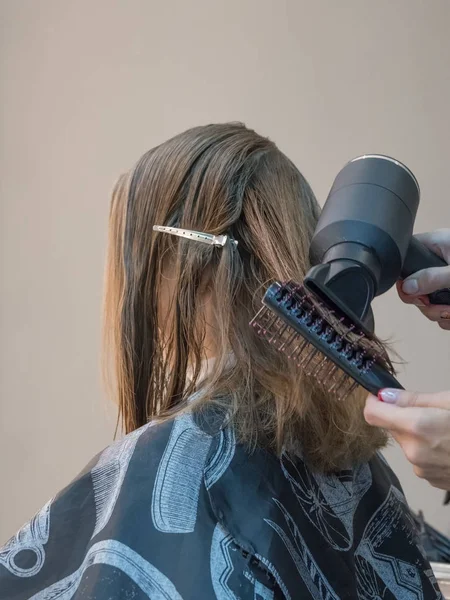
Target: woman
pixel 238 477
pixel 421 422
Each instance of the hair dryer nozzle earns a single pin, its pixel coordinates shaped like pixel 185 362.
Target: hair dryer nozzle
pixel 346 288
pixel 348 280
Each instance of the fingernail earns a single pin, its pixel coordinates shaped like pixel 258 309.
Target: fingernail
pixel 410 286
pixel 388 396
pixel 419 304
pixel 445 315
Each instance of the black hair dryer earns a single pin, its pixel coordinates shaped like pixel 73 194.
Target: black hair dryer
pixel 363 242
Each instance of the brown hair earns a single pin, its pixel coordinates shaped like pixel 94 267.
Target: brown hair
pixel 218 179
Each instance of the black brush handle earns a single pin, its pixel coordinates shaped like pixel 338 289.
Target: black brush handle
pixel 419 257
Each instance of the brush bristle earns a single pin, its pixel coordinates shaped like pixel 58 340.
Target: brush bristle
pixel 335 331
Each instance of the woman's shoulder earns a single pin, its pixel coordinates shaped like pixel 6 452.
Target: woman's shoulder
pixel 147 483
pixel 146 445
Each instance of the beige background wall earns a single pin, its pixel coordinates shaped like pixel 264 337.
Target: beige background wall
pixel 87 86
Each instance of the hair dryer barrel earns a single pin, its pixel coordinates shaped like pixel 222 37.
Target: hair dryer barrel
pixel 369 218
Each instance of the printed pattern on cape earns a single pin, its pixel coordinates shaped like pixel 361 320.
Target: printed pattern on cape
pixel 221 564
pixel 181 472
pixel 179 477
pixel 329 502
pixel 274 572
pixel 304 561
pixel 232 577
pixel 31 538
pixel 151 581
pixel 108 475
pixel 221 458
pixel 382 572
pixel 378 571
pixel 179 511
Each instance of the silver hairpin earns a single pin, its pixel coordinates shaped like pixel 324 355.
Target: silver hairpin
pixel 206 238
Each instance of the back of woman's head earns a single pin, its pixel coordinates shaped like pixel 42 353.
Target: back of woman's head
pixel 165 294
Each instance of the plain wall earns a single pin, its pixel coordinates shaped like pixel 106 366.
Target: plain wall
pixel 88 86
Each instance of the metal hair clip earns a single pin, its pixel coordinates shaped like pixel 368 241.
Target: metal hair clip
pixel 206 238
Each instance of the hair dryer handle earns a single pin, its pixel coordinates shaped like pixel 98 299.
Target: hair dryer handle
pixel 419 257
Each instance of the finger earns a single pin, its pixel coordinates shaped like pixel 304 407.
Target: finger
pixel 420 301
pixel 419 453
pixel 445 324
pixel 388 416
pixel 437 241
pixel 436 313
pixel 427 281
pixel 428 474
pixel 405 422
pixel 441 483
pixel 424 469
pixel 402 399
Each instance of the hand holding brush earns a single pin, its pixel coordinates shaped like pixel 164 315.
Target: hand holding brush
pixel 421 422
pixel 362 246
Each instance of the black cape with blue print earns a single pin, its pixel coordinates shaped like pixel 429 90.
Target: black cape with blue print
pixel 179 511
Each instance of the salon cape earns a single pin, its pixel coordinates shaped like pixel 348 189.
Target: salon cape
pixel 179 510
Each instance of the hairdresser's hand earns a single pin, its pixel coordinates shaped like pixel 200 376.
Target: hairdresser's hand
pixel 421 425
pixel 413 289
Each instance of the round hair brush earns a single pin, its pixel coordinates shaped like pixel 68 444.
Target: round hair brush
pixel 325 344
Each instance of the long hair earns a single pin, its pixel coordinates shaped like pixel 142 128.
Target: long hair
pixel 218 179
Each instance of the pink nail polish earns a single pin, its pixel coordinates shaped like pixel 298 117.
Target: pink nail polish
pixel 388 396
